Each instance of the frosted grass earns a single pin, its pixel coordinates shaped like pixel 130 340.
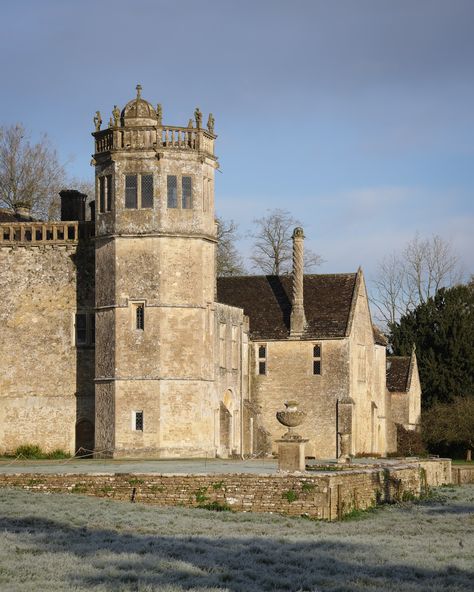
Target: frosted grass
pixel 72 542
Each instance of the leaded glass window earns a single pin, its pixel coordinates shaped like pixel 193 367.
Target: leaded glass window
pixel 131 194
pixel 172 191
pixel 101 194
pixel 147 191
pixel 187 199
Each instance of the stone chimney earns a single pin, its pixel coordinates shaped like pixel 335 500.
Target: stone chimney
pixel 297 319
pixel 73 205
pixel 23 211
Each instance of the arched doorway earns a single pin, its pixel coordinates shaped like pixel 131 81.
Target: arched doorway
pixel 84 437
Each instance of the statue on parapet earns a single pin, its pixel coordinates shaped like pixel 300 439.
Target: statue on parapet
pixel 198 117
pixel 116 115
pixel 210 123
pixel 159 113
pixel 97 121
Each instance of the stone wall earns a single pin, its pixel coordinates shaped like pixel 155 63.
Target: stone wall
pixel 46 382
pixel 322 495
pixel 289 375
pixel 367 379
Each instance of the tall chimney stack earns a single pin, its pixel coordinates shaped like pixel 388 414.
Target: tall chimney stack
pixel 297 318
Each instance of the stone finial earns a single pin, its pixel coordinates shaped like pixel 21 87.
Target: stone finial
pixel 198 117
pixel 139 91
pixel 159 113
pixel 210 123
pixel 297 318
pixel 97 121
pixel 116 115
pixel 111 122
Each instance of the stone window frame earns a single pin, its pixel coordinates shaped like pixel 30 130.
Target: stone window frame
pixel 222 345
pixel 317 358
pixel 207 185
pixel 89 328
pixel 139 176
pixel 235 347
pixel 179 192
pixel 136 420
pixel 261 360
pixel 105 193
pixel 135 305
pixel 361 362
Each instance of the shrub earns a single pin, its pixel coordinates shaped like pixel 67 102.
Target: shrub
pixel 289 495
pixel 216 507
pixel 34 452
pixel 409 442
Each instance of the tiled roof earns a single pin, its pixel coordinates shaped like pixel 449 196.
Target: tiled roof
pixel 398 373
pixel 267 302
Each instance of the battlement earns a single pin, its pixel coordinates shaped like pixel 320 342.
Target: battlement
pixel 41 233
pixel 155 138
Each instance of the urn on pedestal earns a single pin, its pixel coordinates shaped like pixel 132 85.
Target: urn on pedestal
pixel 291 446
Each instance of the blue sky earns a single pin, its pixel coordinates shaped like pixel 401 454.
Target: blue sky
pixel 355 115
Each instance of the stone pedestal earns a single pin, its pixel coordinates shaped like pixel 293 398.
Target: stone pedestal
pixel 344 449
pixel 291 455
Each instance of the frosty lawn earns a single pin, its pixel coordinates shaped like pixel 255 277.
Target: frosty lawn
pixel 64 542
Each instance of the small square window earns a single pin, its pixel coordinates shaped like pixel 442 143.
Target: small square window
pixel 317 358
pixel 262 359
pixel 140 317
pixel 81 328
pixel 138 423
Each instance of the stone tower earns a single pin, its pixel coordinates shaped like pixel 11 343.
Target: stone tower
pixel 155 283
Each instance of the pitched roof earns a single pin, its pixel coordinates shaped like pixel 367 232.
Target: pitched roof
pixel 398 373
pixel 266 300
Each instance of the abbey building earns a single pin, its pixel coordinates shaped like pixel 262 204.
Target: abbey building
pixel 116 335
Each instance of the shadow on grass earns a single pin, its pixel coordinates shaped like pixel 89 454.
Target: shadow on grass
pixel 112 560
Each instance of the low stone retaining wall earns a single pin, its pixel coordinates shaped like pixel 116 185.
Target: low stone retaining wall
pixel 463 475
pixel 325 495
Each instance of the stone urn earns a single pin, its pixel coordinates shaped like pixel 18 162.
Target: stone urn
pixel 291 417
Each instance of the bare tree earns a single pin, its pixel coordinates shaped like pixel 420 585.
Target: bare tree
pixel 408 278
pixel 229 261
pixel 30 174
pixel 272 249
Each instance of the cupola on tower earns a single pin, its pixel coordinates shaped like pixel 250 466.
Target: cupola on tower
pixel 155 282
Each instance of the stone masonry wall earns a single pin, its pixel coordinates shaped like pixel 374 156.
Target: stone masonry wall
pixel 325 495
pixel 46 382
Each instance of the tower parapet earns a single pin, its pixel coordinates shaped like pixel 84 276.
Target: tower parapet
pixel 139 127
